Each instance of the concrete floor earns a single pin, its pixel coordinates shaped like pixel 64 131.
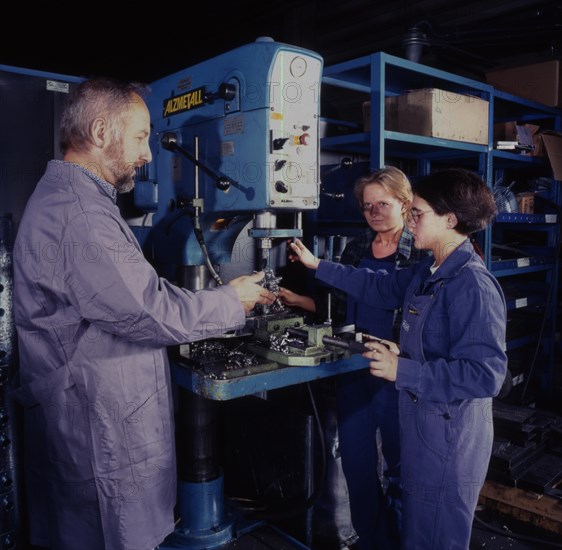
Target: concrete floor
pixel 493 532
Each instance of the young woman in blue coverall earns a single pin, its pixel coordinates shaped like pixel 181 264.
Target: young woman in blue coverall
pixel 451 360
pixel 366 403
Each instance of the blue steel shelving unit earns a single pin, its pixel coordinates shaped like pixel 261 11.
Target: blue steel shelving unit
pixel 534 274
pixel 378 76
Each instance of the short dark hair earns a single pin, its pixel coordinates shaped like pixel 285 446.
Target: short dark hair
pixel 93 98
pixel 461 192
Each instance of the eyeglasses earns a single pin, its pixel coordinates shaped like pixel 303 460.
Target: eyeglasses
pixel 415 215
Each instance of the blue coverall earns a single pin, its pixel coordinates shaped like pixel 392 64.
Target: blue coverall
pixel 365 403
pixel 452 363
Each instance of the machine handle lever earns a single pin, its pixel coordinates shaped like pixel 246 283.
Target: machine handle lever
pixel 335 196
pixel 226 91
pixel 297 332
pixel 169 141
pixel 351 345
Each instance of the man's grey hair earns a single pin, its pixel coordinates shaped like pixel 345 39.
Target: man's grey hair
pixel 95 98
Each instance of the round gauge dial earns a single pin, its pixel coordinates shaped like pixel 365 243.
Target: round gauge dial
pixel 298 66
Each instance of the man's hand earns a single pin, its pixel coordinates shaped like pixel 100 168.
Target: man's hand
pixel 299 252
pixel 250 292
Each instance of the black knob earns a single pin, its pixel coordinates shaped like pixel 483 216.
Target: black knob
pixel 346 163
pixel 227 91
pixel 169 141
pixel 279 164
pixel 281 187
pixel 278 143
pixel 223 183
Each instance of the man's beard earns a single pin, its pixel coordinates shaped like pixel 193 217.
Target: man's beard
pixel 123 173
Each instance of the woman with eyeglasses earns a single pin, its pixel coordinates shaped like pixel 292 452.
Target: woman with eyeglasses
pixel 451 360
pixel 365 403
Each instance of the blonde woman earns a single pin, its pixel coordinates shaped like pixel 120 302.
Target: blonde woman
pixel 365 403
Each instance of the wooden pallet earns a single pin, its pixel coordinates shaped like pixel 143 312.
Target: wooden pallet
pixel 544 511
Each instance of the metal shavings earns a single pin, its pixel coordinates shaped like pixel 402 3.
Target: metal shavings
pixel 212 351
pixel 239 360
pixel 281 342
pixel 215 351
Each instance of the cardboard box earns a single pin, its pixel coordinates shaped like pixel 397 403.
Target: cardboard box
pixel 526 202
pixel 526 136
pixel 505 131
pixel 540 82
pixel 552 142
pixel 547 143
pixel 437 113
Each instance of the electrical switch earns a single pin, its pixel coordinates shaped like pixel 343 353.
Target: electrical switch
pixel 281 187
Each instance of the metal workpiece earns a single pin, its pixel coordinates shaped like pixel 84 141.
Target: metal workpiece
pixel 276 341
pixel 296 345
pixel 271 282
pixel 276 351
pixel 281 351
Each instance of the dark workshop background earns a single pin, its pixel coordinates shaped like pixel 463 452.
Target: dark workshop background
pixel 467 37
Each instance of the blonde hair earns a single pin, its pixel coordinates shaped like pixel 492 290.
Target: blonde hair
pixel 392 180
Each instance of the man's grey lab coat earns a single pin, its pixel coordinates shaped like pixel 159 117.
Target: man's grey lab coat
pixel 94 320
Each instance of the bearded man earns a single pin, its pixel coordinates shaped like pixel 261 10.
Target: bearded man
pixel 93 321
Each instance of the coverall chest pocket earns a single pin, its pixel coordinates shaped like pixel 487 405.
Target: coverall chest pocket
pixel 413 316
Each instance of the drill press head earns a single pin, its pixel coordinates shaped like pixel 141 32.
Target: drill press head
pixel 236 149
